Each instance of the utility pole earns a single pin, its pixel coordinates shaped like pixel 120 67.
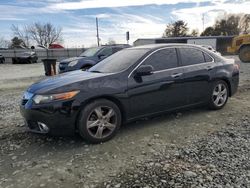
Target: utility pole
pixel 97 32
pixel 203 21
pixel 127 37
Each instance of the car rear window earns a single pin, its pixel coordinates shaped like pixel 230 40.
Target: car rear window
pixel 191 56
pixel 207 57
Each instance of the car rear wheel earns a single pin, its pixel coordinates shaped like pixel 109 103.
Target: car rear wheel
pixel 219 95
pixel 99 121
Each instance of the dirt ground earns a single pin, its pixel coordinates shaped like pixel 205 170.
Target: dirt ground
pixel 30 160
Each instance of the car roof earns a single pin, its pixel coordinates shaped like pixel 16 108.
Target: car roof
pixel 157 46
pixel 116 45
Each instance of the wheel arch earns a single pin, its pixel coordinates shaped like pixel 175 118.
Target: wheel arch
pixel 227 82
pixel 107 97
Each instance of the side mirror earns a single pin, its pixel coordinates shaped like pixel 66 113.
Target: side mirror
pixel 101 56
pixel 144 70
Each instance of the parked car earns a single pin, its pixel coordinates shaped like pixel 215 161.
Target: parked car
pixel 89 58
pixel 131 84
pixel 25 57
pixel 211 49
pixel 2 59
pixel 55 46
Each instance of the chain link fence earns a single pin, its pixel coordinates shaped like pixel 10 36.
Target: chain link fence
pixel 58 54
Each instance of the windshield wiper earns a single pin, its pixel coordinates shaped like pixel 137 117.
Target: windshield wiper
pixel 95 71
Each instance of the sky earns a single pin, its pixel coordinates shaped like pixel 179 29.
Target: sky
pixel 142 18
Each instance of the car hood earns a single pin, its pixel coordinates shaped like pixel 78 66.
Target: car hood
pixel 72 59
pixel 51 84
pixel 25 55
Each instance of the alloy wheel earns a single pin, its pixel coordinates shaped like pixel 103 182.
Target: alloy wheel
pixel 220 94
pixel 101 122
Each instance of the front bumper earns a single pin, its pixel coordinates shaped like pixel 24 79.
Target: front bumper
pixel 65 68
pixel 22 60
pixel 56 118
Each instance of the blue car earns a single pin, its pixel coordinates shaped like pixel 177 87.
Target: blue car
pixel 89 58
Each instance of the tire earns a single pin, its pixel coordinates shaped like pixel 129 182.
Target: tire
pixel 99 121
pixel 218 95
pixel 244 54
pixel 14 61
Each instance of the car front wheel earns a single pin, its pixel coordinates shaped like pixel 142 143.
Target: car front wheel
pixel 219 95
pixel 99 121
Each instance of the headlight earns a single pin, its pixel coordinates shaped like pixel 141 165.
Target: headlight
pixel 40 99
pixel 73 63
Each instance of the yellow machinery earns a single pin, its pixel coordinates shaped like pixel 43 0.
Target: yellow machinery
pixel 241 46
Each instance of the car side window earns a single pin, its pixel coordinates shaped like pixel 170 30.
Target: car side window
pixel 116 49
pixel 207 57
pixel 191 56
pixel 163 59
pixel 106 52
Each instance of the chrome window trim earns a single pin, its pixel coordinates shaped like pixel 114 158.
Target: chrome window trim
pixel 199 50
pixel 206 63
pixel 147 58
pixel 163 70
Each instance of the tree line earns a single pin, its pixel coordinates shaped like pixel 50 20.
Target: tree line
pixel 232 24
pixel 43 34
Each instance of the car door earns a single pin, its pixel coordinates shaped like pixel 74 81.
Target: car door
pixel 160 91
pixel 197 67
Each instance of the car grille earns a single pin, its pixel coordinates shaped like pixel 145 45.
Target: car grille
pixel 24 101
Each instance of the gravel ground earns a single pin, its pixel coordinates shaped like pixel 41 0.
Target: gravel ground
pixel 218 160
pixel 175 149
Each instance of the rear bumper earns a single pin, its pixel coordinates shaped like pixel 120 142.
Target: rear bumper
pixel 234 83
pixel 53 119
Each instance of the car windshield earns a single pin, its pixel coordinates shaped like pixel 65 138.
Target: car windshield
pixel 119 61
pixel 90 52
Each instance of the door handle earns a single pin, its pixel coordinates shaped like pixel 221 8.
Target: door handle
pixel 209 68
pixel 176 75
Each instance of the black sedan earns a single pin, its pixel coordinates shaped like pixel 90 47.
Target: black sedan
pixel 89 58
pixel 25 57
pixel 2 59
pixel 131 84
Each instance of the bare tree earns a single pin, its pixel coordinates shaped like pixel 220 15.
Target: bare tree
pixel 42 34
pixel 244 24
pixel 111 41
pixel 194 33
pixel 21 34
pixel 4 43
pixel 45 34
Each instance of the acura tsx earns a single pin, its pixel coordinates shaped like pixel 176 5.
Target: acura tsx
pixel 131 84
